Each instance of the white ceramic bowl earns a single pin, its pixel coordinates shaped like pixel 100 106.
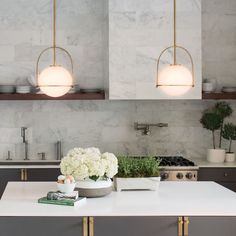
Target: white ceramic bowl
pixel 23 89
pixel 66 188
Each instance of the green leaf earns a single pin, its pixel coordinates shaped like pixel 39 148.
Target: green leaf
pixel 211 121
pixel 138 167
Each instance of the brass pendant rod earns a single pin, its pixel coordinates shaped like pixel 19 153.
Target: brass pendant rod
pixel 175 61
pixel 54 31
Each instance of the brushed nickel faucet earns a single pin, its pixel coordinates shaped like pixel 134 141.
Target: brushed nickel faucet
pixel 145 128
pixel 25 142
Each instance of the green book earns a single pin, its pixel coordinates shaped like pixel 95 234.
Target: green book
pixel 63 202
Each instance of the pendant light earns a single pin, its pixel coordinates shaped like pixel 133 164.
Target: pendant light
pixel 175 79
pixel 55 80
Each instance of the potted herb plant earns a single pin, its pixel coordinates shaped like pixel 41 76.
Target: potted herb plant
pixel 137 173
pixel 229 133
pixel 213 120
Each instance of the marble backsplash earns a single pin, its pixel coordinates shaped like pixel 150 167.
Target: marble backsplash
pixel 107 125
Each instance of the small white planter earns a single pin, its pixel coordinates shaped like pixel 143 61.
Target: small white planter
pixel 216 155
pixel 230 157
pixel 151 183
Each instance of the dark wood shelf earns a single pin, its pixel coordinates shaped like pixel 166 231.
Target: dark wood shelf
pixel 75 96
pixel 219 96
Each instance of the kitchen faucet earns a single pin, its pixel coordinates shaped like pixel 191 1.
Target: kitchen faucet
pixel 145 128
pixel 25 142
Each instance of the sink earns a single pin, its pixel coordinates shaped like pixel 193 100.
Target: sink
pixel 30 162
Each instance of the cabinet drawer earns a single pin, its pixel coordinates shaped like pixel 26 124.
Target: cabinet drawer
pixel 217 174
pixel 43 174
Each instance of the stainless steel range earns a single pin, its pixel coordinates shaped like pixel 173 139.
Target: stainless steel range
pixel 177 168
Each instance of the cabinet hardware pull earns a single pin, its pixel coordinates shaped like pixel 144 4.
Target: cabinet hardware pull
pixel 91 226
pixel 26 175
pixel 180 226
pixel 22 174
pixel 85 226
pixel 186 226
pixel 225 174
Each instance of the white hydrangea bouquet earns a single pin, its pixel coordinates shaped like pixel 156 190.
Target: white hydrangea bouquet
pixel 89 164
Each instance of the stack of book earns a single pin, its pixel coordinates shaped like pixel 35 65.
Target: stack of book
pixel 58 198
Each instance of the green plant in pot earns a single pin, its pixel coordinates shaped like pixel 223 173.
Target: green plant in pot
pixel 213 120
pixel 229 133
pixel 137 173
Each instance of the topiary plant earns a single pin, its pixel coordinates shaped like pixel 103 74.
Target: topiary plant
pixel 212 122
pixel 224 110
pixel 229 133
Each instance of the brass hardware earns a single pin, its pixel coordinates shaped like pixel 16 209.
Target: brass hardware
pixel 54 31
pixel 225 174
pixel 186 226
pixel 180 226
pixel 175 46
pixel 22 174
pixel 26 175
pixel 91 226
pixel 192 65
pixel 85 226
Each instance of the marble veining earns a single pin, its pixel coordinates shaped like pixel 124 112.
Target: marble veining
pixel 150 24
pixel 83 29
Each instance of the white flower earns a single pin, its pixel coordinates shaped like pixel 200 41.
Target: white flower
pixel 111 164
pixel 85 163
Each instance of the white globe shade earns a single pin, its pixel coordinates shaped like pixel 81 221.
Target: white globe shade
pixel 177 75
pixel 55 81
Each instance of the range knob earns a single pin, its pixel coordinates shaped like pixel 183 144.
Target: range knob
pixel 189 175
pixel 179 175
pixel 164 176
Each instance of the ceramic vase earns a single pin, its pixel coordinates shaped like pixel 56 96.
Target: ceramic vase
pixel 151 183
pixel 230 157
pixel 91 189
pixel 216 155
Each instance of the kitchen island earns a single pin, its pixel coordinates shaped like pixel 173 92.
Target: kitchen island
pixel 178 208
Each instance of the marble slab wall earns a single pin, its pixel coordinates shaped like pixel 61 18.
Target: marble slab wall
pixel 105 124
pixel 138 33
pixel 26 29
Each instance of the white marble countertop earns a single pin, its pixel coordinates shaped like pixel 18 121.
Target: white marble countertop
pixel 204 163
pixel 32 166
pixel 29 164
pixel 172 199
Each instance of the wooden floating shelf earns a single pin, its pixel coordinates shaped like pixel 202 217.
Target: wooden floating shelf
pixel 74 96
pixel 219 96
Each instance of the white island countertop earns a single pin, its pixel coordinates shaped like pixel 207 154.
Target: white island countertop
pixel 172 199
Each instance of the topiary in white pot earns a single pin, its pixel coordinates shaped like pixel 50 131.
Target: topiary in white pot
pixel 213 120
pixel 229 133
